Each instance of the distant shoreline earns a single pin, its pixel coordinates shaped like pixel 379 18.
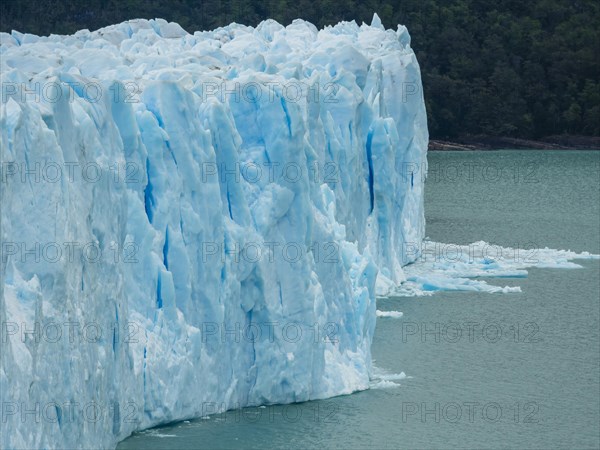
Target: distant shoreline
pixel 469 143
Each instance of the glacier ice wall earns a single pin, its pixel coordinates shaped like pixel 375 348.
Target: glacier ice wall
pixel 197 222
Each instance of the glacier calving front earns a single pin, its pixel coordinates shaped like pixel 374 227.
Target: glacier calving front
pixel 193 223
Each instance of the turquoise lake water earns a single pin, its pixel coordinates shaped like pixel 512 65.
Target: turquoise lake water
pixel 515 370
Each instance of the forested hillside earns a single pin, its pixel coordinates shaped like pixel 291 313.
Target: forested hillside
pixel 510 68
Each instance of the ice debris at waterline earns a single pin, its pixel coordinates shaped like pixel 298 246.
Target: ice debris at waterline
pixel 381 379
pixel 451 267
pixel 198 219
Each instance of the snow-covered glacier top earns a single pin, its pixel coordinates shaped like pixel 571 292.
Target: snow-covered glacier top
pixel 198 222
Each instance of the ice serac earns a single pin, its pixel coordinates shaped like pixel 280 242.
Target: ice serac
pixel 203 217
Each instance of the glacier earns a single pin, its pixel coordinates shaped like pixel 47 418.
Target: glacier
pixel 197 222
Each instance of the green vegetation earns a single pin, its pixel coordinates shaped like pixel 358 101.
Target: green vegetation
pixel 513 68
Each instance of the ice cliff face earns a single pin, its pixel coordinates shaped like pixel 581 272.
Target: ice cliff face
pixel 192 223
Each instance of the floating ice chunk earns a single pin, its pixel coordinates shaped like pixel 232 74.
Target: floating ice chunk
pixel 392 314
pixel 162 435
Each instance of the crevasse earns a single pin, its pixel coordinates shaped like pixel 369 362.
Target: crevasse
pixel 203 218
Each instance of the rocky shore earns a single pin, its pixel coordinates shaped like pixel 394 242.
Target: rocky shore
pixel 501 143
